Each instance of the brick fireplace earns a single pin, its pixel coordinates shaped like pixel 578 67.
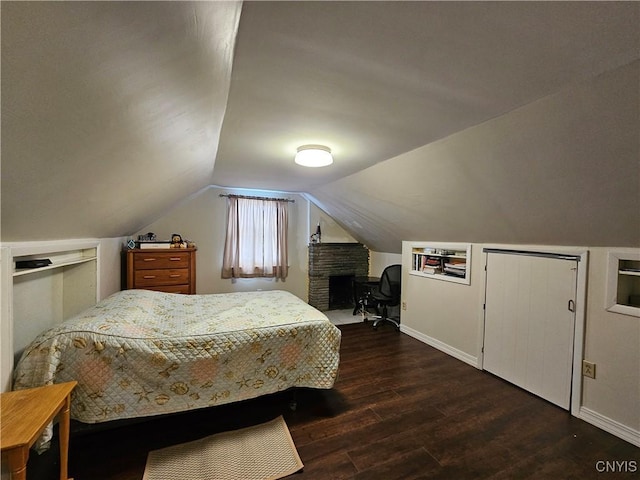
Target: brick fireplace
pixel 328 260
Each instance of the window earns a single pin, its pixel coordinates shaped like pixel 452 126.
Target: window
pixel 256 242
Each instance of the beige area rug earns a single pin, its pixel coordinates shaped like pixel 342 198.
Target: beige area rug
pixel 259 452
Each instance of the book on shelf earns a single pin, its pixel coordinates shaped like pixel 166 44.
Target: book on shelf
pixel 461 266
pixel 431 270
pixel 455 272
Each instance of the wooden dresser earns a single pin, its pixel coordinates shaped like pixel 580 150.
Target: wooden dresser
pixel 171 270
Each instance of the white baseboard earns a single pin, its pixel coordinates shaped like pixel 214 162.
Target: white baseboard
pixel 608 425
pixel 443 347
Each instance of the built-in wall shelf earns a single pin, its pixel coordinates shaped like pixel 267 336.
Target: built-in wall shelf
pixel 57 261
pixel 623 282
pixel 450 262
pixel 35 299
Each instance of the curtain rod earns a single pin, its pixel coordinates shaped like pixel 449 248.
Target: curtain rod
pixel 231 195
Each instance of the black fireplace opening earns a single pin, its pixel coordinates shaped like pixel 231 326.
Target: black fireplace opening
pixel 341 291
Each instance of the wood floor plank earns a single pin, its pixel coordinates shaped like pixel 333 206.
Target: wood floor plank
pixel 365 434
pixel 400 409
pixel 336 426
pixel 415 464
pixel 336 466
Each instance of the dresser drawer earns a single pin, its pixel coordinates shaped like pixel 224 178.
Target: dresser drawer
pixel 151 260
pixel 169 276
pixel 185 289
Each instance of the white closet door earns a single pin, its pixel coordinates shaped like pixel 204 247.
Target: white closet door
pixel 529 323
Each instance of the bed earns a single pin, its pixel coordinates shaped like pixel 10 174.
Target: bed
pixel 140 353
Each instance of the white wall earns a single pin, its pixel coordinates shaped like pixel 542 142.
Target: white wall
pixel 379 260
pixel 32 317
pixel 6 325
pixel 110 266
pixel 331 231
pixel 444 314
pixel 612 341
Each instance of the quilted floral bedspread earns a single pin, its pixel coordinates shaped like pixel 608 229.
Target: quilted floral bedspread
pixel 140 353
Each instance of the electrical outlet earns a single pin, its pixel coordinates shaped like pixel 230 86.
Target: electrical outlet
pixel 404 305
pixel 588 369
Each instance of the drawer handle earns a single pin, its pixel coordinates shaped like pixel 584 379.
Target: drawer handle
pixel 174 275
pixel 149 259
pixel 174 259
pixel 149 276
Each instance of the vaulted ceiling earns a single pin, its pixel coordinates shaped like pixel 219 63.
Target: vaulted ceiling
pixel 373 80
pixel 113 111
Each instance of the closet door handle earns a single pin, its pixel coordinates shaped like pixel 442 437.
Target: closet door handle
pixel 571 306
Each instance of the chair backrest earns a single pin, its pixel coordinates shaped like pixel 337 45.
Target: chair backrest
pixel 390 282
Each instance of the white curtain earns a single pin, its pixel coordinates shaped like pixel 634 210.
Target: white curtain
pixel 256 241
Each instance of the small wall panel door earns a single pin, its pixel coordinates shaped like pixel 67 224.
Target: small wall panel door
pixel 529 323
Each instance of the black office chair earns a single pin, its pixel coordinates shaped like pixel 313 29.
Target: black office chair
pixel 387 294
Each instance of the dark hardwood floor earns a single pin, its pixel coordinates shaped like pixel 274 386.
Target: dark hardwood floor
pixel 399 410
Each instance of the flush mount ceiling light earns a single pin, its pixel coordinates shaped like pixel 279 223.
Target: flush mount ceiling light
pixel 314 156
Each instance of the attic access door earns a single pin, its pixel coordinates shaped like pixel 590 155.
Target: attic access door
pixel 529 321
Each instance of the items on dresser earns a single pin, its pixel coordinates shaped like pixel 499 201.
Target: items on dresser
pixel 162 270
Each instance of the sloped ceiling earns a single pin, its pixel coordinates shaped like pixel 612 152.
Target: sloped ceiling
pixel 564 170
pixel 373 80
pixel 112 111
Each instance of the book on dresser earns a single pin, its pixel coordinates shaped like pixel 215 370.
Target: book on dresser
pixel 171 270
pixel 145 245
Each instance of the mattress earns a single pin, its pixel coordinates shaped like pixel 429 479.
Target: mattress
pixel 140 353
